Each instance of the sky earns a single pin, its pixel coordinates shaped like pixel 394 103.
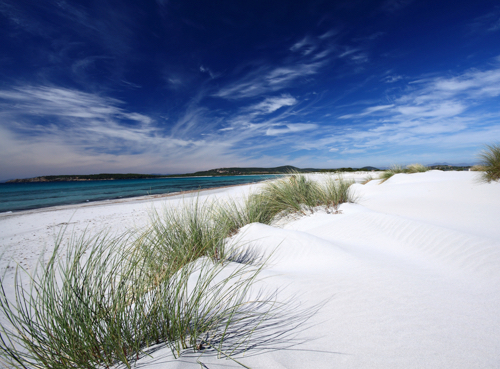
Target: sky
pixel 177 86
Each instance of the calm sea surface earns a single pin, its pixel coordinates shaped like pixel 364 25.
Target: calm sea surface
pixel 24 196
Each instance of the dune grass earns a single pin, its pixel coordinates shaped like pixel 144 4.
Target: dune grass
pixel 235 215
pixel 367 179
pixel 298 194
pixel 490 163
pixel 294 193
pixel 334 192
pixel 102 300
pixel 478 168
pixel 417 168
pixel 105 303
pixel 180 235
pixel 396 169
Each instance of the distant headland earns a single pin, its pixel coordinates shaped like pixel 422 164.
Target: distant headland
pixel 88 177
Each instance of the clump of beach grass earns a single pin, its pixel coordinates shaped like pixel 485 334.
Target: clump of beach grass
pixel 367 179
pixel 416 168
pixel 490 163
pixel 180 235
pixel 334 192
pixel 101 301
pixel 397 169
pixel 478 168
pixel 296 194
pixel 292 194
pixel 234 215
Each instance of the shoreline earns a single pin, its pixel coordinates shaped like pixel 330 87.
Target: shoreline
pixel 118 200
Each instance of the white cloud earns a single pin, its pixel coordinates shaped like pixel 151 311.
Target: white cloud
pixel 435 109
pixel 440 115
pixel 367 111
pixel 392 79
pixel 207 70
pixel 356 55
pixel 89 122
pixel 265 80
pixel 328 34
pixel 290 128
pixel 62 102
pixel 307 57
pixel 353 151
pixel 349 51
pixel 474 83
pixel 489 22
pixel 299 45
pixel 306 46
pixel 272 104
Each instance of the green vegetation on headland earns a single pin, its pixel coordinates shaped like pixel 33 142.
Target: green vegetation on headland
pixel 235 171
pixel 446 167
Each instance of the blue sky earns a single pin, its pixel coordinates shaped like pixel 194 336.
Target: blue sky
pixel 171 86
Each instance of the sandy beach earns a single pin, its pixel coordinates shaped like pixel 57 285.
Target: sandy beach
pixel 406 277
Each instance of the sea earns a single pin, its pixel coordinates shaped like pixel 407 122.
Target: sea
pixel 26 196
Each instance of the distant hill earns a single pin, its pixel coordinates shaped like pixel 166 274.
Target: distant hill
pixel 446 167
pixel 245 171
pixel 451 165
pixel 276 170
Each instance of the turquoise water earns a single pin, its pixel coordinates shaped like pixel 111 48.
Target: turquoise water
pixel 25 196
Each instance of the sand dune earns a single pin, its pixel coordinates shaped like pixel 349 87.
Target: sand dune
pixel 408 277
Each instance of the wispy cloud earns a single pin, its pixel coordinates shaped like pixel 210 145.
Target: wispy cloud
pixel 367 111
pixel 62 102
pixel 305 46
pixel 392 78
pixel 328 34
pixel 268 79
pixel 306 58
pixel 355 54
pixel 451 111
pixel 290 128
pixel 204 69
pixel 272 104
pixel 489 22
pixel 392 6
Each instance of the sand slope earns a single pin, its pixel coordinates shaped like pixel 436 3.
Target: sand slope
pixel 409 277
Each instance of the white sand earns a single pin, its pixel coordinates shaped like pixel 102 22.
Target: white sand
pixel 409 276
